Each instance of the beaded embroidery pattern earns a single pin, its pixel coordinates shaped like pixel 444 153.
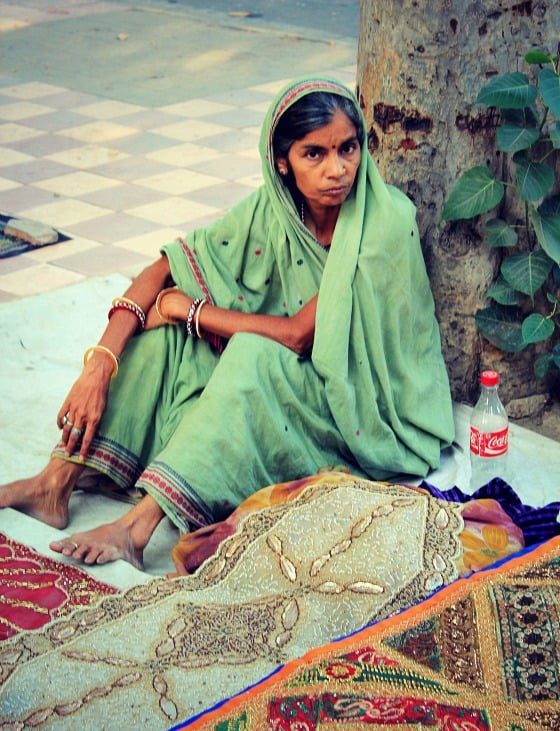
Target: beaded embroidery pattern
pixel 294 576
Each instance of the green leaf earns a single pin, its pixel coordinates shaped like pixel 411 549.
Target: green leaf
pixel 547 229
pixel 538 57
pixel 527 272
pixel 502 327
pixel 509 91
pixel 526 117
pixel 512 138
pixel 503 294
pixel 549 86
pixel 536 328
pixel 535 179
pixel 550 205
pixel 474 193
pixel 500 234
pixel 554 132
pixel 547 362
pixel 543 365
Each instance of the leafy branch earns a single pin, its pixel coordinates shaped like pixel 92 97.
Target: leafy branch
pixel 529 276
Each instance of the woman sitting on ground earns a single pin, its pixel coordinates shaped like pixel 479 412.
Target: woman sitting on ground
pixel 296 332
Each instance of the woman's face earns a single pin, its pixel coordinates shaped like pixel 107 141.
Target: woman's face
pixel 324 162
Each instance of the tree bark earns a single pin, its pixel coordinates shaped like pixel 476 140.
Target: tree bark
pixel 420 67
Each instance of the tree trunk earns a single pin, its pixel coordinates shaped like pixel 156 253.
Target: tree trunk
pixel 420 67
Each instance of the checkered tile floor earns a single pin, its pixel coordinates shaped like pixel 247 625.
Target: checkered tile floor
pixel 120 179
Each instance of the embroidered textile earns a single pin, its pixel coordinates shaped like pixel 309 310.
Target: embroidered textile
pixel 488 534
pixel 294 576
pixel 35 589
pixel 481 654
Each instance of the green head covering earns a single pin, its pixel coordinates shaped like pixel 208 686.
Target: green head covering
pixel 377 349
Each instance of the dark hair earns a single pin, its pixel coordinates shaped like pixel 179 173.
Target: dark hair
pixel 309 113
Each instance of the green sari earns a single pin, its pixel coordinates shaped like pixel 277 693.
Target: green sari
pixel 200 428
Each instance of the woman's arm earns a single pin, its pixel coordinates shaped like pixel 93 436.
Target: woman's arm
pixel 295 332
pixel 85 403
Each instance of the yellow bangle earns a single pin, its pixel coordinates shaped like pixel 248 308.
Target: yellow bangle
pixel 127 300
pixel 197 318
pixel 103 349
pixel 167 320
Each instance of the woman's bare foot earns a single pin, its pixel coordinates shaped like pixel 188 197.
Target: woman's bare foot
pixel 45 496
pixel 125 538
pixel 103 544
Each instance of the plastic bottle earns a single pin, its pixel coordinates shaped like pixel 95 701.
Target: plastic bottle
pixel 489 433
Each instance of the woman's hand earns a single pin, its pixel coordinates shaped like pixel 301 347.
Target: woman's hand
pixel 81 412
pixel 170 308
pixel 302 331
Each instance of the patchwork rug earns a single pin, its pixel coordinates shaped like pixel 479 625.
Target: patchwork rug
pixel 483 653
pixel 35 589
pixel 294 576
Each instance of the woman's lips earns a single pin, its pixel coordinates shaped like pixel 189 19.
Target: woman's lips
pixel 340 190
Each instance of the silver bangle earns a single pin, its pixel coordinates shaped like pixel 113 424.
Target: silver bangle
pixel 190 316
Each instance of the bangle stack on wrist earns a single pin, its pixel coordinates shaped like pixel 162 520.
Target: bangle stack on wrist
pixel 193 315
pixel 123 303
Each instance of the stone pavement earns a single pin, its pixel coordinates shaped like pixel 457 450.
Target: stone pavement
pixel 125 125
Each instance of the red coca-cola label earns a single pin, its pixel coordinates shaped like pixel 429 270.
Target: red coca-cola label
pixel 492 444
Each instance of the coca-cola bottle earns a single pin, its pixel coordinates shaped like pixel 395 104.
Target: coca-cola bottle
pixel 489 433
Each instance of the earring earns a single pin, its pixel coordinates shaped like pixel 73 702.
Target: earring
pixel 283 171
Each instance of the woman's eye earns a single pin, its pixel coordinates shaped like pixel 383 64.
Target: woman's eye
pixel 349 148
pixel 313 154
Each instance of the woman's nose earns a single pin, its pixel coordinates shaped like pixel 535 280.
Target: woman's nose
pixel 335 165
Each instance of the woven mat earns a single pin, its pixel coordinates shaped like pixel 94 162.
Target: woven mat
pixel 483 653
pixel 35 589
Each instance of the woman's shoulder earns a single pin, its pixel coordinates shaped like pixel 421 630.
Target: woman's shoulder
pixel 237 225
pixel 252 210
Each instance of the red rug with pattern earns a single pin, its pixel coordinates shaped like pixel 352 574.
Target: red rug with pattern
pixel 34 589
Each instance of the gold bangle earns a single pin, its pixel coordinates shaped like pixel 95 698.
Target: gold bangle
pixel 158 303
pixel 197 318
pixel 103 349
pixel 128 302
